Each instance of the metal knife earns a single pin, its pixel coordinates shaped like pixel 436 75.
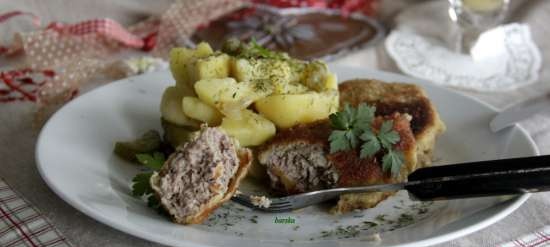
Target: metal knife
pixel 483 178
pixel 475 179
pixel 520 112
pixel 466 180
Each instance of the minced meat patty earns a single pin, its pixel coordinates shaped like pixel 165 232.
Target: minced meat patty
pixel 298 159
pixel 198 175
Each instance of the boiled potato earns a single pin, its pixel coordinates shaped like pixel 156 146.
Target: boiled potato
pixel 181 57
pixel 171 110
pixel 178 62
pixel 288 110
pixel 241 69
pixel 291 88
pixel 269 75
pixel 227 95
pixel 315 76
pixel 203 49
pixel 331 82
pixel 194 108
pixel 211 67
pixel 250 129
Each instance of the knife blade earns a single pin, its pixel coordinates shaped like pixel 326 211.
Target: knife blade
pixel 519 112
pixel 465 180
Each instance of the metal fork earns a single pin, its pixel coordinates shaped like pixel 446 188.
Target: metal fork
pixel 474 179
pixel 288 203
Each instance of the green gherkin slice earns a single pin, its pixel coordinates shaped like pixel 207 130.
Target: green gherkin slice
pixel 150 141
pixel 175 134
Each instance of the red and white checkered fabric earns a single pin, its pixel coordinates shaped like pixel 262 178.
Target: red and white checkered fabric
pixel 540 238
pixel 79 51
pixel 22 225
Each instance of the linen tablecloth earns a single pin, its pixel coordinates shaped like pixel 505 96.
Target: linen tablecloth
pixel 17 137
pixel 22 224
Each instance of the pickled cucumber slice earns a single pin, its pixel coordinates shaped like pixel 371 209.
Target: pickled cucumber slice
pixel 149 142
pixel 175 134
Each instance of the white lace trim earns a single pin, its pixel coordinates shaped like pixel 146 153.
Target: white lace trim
pixel 505 58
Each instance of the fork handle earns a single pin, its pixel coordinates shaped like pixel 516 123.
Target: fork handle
pixel 484 178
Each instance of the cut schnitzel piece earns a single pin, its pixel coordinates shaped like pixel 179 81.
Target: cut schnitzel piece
pixel 298 160
pixel 399 97
pixel 200 175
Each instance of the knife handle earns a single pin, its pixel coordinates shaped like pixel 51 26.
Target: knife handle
pixel 484 178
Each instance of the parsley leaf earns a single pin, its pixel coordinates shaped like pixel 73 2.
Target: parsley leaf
pixel 339 121
pixel 352 127
pixel 154 203
pixel 350 114
pixel 154 161
pixel 371 145
pixel 393 161
pixel 346 133
pixel 365 115
pixel 140 183
pixel 141 186
pixel 338 141
pixel 387 135
pixel 352 137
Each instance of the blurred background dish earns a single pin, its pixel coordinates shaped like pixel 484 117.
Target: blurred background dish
pixel 304 33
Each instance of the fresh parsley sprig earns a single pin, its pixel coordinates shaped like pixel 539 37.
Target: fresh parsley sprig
pixel 348 125
pixel 353 127
pixel 140 183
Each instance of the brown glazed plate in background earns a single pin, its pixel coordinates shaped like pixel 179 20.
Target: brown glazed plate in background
pixel 304 33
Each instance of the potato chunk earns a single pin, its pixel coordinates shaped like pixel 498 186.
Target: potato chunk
pixel 194 108
pixel 273 76
pixel 288 110
pixel 211 67
pixel 171 110
pixel 250 129
pixel 178 62
pixel 180 59
pixel 227 95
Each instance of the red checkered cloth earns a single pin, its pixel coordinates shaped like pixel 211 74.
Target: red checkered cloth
pixel 540 238
pixel 22 225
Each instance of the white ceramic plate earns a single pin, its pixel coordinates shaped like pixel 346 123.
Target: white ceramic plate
pixel 74 156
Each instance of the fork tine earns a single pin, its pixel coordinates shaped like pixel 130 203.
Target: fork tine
pixel 245 201
pixel 309 198
pixel 280 200
pixel 280 203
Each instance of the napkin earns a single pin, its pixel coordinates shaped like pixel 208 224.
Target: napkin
pixel 503 59
pixel 540 238
pixel 22 225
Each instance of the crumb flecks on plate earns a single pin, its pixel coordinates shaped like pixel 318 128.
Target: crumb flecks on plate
pixel 372 238
pixel 260 201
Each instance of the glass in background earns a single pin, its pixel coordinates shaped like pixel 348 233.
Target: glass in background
pixel 473 17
